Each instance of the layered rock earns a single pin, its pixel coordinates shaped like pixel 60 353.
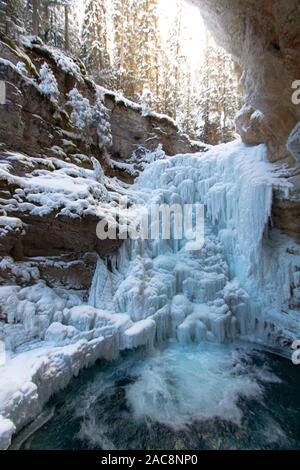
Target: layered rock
pixel 36 123
pixel 132 129
pixel 39 142
pixel 264 38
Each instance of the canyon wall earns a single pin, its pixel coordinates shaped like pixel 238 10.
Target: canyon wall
pixel 39 140
pixel 263 36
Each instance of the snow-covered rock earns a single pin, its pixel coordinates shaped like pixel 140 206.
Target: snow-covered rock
pixel 60 334
pixel 82 318
pixel 140 334
pixel 7 429
pixel 10 223
pixel 153 289
pixel 29 378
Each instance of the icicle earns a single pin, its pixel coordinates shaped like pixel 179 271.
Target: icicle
pixel 190 294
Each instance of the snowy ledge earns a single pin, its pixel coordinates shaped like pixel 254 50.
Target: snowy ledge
pixel 29 379
pixel 69 66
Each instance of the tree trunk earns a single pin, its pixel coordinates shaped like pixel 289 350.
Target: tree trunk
pixel 67 35
pixel 46 19
pixel 122 35
pixel 178 50
pixel 36 16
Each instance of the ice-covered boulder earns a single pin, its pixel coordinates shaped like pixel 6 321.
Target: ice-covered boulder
pixel 9 301
pixel 140 334
pixel 7 429
pixel 59 334
pixel 82 317
pixel 207 322
pixel 181 307
pixel 191 330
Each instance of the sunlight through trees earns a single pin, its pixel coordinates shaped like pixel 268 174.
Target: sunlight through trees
pixel 151 54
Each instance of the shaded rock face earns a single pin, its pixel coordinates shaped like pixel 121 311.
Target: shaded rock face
pixel 130 130
pixel 263 37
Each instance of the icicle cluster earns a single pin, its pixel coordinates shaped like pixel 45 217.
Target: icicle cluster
pixel 198 295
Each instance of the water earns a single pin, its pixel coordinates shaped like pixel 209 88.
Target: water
pixel 205 396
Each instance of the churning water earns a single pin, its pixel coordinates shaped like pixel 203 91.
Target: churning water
pixel 205 396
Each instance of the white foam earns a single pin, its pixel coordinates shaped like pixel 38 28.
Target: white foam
pixel 183 384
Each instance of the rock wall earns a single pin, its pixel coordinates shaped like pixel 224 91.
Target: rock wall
pixel 38 137
pixel 131 129
pixel 35 124
pixel 263 37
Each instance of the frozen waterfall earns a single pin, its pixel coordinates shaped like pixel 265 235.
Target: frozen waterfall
pixel 234 285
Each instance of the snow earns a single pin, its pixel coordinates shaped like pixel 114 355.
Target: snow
pixel 236 285
pixel 30 378
pixel 144 157
pixel 43 356
pixel 22 272
pixel 64 62
pixel 122 166
pixel 10 223
pixel 60 334
pixel 84 116
pixel 7 429
pixel 119 98
pixel 48 85
pixel 145 100
pixel 81 115
pixel 141 333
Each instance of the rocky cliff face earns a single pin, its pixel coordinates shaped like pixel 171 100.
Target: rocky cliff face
pixel 131 128
pixel 41 149
pixel 263 37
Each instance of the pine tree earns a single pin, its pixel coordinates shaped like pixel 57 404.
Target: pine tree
pixel 124 20
pixel 185 106
pixel 36 4
pixel 137 47
pixel 147 46
pixel 74 28
pixel 146 101
pixel 94 50
pixel 218 97
pixel 11 18
pixel 55 21
pixel 172 65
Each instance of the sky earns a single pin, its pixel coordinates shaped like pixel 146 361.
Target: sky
pixel 194 29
